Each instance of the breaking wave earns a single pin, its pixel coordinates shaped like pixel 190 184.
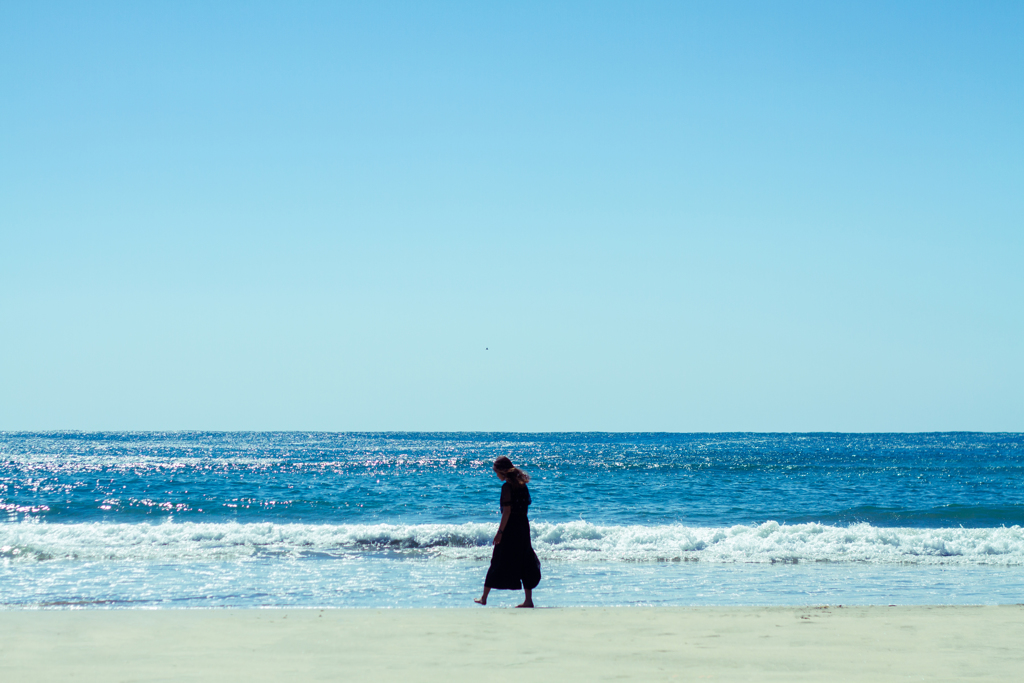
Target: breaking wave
pixel 572 542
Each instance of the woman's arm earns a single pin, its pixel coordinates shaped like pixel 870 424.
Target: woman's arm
pixel 506 512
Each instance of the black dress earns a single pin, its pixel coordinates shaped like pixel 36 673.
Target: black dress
pixel 514 565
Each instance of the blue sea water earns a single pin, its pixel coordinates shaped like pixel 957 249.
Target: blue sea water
pixel 191 519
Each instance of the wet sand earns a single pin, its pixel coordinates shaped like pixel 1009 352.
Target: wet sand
pixel 489 644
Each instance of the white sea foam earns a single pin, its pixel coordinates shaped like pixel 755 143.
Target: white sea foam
pixel 572 541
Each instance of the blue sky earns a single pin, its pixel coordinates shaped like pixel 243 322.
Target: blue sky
pixel 512 216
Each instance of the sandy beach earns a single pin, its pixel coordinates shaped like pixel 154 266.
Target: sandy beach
pixel 578 644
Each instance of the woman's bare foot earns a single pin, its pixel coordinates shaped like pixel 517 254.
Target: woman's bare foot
pixel 526 604
pixel 480 601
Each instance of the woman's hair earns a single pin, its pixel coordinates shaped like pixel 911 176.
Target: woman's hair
pixel 510 472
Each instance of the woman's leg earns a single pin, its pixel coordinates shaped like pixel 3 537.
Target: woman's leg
pixel 528 602
pixel 482 600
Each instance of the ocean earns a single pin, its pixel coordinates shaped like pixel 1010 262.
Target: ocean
pixel 254 520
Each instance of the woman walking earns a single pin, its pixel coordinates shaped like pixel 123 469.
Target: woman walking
pixel 514 565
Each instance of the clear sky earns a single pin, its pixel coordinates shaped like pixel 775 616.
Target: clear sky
pixel 517 216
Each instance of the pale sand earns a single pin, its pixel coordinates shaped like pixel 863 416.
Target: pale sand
pixel 488 644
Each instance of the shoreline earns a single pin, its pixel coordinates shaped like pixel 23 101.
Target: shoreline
pixel 809 643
